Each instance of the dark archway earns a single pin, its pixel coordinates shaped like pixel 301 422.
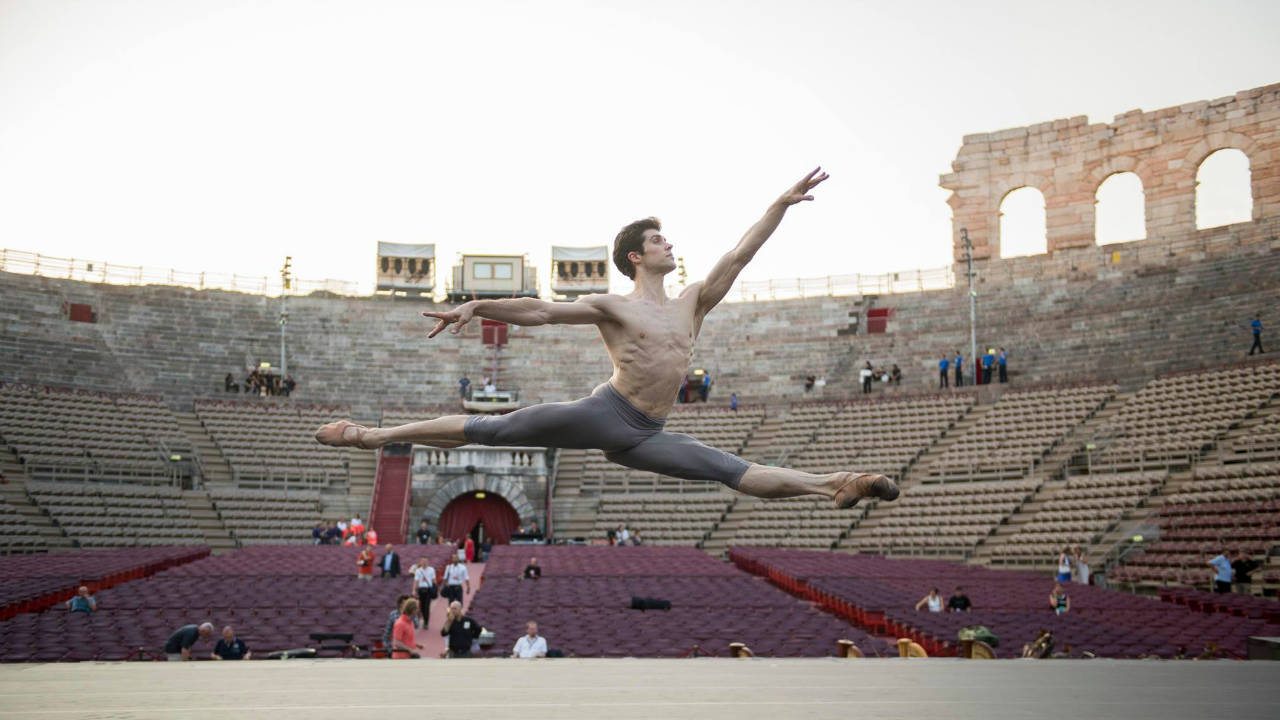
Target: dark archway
pixel 467 513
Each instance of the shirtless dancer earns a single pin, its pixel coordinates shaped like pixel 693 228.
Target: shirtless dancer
pixel 650 338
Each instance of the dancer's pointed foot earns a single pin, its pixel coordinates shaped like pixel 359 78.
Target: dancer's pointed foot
pixel 343 433
pixel 863 485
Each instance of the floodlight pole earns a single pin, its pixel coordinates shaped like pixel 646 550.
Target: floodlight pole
pixel 286 276
pixel 973 302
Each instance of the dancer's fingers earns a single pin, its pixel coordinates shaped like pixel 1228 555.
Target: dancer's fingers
pixel 439 326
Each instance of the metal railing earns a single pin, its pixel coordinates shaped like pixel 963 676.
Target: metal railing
pixel 30 263
pixel 838 285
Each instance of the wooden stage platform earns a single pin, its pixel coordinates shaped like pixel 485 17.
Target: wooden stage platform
pixel 631 688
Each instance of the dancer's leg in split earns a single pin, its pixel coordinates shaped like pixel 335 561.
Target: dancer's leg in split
pixel 442 432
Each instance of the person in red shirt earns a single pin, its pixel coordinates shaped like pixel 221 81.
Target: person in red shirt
pixel 364 564
pixel 470 549
pixel 371 537
pixel 404 643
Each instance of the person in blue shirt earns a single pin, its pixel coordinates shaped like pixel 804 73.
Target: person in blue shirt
pixel 986 367
pixel 959 365
pixel 1222 573
pixel 230 647
pixel 943 364
pixel 82 602
pixel 733 402
pixel 1003 362
pixel 1256 326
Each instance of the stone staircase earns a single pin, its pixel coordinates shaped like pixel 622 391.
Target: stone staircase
pixel 573 514
pixel 758 447
pixel 207 520
pixel 717 543
pixel 14 492
pixel 216 469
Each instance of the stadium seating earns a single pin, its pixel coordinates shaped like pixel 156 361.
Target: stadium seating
pixel 17 534
pixel 879 436
pixel 1229 507
pixel 257 517
pixel 113 515
pixel 271 443
pixel 1018 431
pixel 31 583
pixel 663 519
pixel 275 597
pixel 1175 418
pixel 582 606
pixel 803 522
pixel 83 434
pixel 942 518
pixel 880 594
pixel 1078 514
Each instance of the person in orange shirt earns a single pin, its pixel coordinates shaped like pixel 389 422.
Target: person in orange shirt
pixel 364 564
pixel 371 537
pixel 404 643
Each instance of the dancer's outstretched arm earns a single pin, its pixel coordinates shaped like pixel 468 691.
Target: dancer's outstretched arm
pixel 586 310
pixel 721 278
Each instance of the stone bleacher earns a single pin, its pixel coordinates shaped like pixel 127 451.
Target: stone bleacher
pixel 272 442
pixel 879 436
pixel 1018 431
pixel 665 518
pixel 85 434
pixel 113 515
pixel 258 517
pixel 948 518
pixel 1173 419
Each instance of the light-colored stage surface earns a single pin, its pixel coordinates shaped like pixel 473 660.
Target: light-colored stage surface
pixel 665 689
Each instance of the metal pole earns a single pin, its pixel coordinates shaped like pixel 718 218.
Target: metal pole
pixel 284 320
pixel 973 304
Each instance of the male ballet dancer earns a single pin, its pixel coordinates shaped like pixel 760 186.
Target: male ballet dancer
pixel 649 337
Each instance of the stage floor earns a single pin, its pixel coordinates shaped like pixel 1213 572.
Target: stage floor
pixel 665 689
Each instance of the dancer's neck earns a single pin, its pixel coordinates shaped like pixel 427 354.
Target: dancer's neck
pixel 649 287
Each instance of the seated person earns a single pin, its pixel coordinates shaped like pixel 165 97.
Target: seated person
pixel 230 647
pixel 82 602
pixel 532 571
pixel 933 600
pixel 958 602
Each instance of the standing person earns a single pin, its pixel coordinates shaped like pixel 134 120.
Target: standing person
pixel 650 339
pixel 230 647
pixel 364 564
pixel 461 630
pixel 1064 566
pixel 1242 568
pixel 1256 326
pixel 404 635
pixel 424 586
pixel 987 361
pixel 456 580
pixel 1003 363
pixel 530 645
pixel 469 549
pixel 933 600
pixel 943 378
pixel 390 563
pixel 82 601
pixel 733 402
pixel 178 646
pixel 866 374
pixel 1079 566
pixel 1222 573
pixel 463 383
pixel 1059 601
pixel 958 364
pixel 896 375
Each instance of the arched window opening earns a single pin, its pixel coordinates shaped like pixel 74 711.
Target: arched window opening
pixel 1224 193
pixel 1120 209
pixel 1022 223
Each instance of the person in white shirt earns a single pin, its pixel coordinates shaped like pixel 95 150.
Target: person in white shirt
pixel 455 578
pixel 424 586
pixel 623 535
pixel 530 645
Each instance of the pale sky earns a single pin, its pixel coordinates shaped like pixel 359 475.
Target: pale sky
pixel 222 136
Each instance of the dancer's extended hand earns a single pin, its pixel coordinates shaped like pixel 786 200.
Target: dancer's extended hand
pixel 800 191
pixel 458 317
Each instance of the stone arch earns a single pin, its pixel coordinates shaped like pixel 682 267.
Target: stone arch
pixel 1029 211
pixel 509 490
pixel 1123 223
pixel 1223 186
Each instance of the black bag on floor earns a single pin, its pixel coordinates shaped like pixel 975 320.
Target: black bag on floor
pixel 643 603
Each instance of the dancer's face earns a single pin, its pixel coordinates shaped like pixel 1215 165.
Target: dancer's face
pixel 657 256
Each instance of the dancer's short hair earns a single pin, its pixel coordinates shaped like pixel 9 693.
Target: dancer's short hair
pixel 631 239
